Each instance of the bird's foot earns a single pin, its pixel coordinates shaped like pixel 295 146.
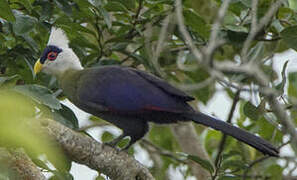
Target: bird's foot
pixel 126 148
pixel 115 141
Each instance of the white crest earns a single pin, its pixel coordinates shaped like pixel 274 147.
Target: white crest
pixel 66 59
pixel 58 38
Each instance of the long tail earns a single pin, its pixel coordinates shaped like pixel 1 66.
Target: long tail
pixel 260 144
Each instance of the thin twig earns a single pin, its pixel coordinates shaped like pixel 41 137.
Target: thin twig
pixel 254 14
pixel 129 55
pixel 256 28
pixel 223 139
pixel 214 42
pixel 253 164
pixel 161 151
pixel 135 19
pixel 160 46
pixel 184 32
pixel 196 86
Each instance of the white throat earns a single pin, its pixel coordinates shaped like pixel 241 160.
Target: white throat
pixel 66 60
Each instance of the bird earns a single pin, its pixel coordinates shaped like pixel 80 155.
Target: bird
pixel 127 97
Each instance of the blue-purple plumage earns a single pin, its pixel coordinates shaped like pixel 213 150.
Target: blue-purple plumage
pixel 130 98
pixel 129 91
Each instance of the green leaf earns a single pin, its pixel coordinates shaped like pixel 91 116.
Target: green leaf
pixel 284 13
pixel 233 163
pixel 65 6
pixel 115 6
pixel 119 46
pixel 238 8
pixel 23 24
pixel 26 4
pixel 293 4
pixel 85 7
pixel 66 116
pixel 236 37
pixel 41 164
pixel 66 25
pixel 99 177
pixel 47 10
pixel 196 22
pixel 40 94
pixel 107 62
pixel 289 35
pixel 274 171
pixel 96 119
pixel 163 137
pixel 5 11
pixel 130 4
pixel 9 79
pixel 236 28
pixel 197 76
pixel 17 130
pixel 154 2
pixel 106 16
pixel 263 7
pixel 3 174
pixel 267 130
pixel 282 84
pixel 106 136
pixel 231 19
pixel 257 52
pixel 203 162
pixel 251 111
pixel 247 3
pixel 292 89
pixel 269 71
pixel 123 143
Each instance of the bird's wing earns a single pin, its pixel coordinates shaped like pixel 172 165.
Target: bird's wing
pixel 126 90
pixel 164 85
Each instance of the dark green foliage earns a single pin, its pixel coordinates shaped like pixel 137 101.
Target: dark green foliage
pixel 290 37
pixel 40 94
pixel 204 163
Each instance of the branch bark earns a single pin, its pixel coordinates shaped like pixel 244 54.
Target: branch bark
pixel 85 150
pixel 21 165
pixel 191 144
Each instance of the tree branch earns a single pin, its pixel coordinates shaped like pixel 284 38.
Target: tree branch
pixel 191 144
pixel 271 95
pixel 248 69
pixel 85 150
pixel 184 32
pixel 22 166
pixel 257 27
pixel 223 139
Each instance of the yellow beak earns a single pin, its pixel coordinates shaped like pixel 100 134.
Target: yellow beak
pixel 37 67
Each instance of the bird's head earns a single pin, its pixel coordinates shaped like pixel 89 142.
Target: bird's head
pixel 57 57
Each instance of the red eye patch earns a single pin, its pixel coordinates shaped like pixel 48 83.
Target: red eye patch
pixel 52 55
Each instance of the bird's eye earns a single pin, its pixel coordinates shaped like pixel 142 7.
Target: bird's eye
pixel 52 55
